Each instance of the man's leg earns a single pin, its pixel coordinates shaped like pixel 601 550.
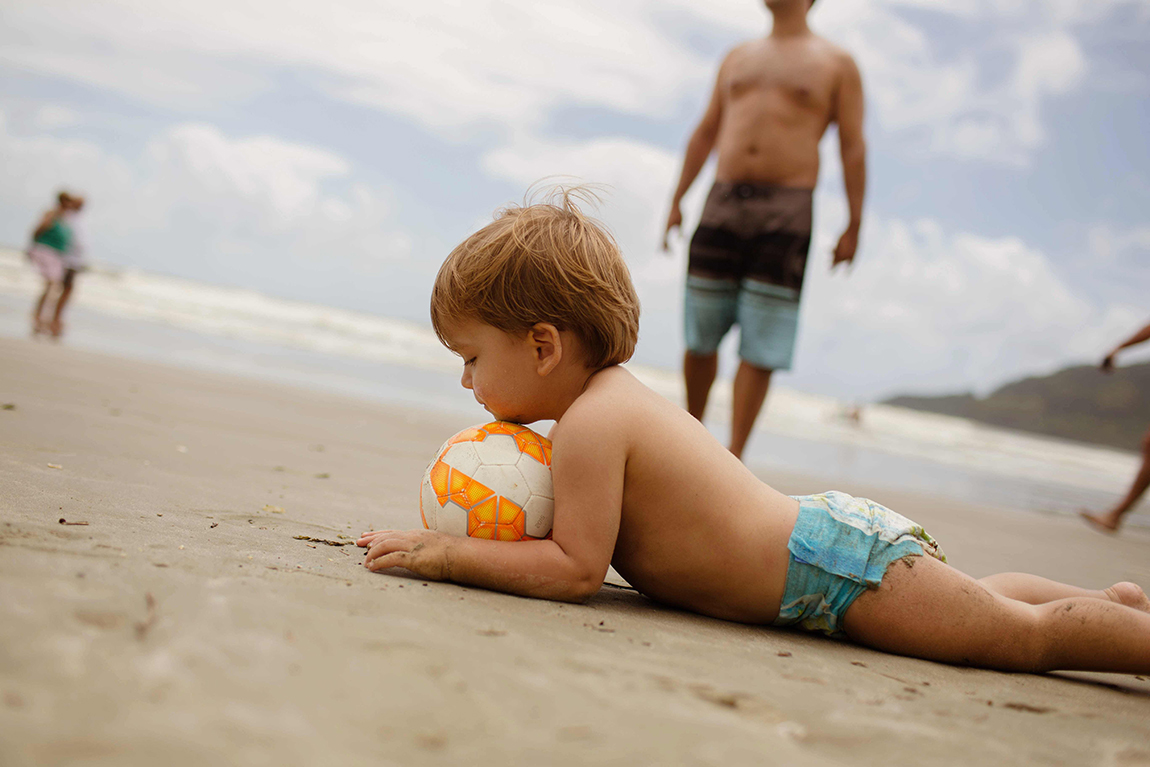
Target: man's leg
pixel 708 314
pixel 1111 519
pixel 699 373
pixel 927 609
pixel 747 395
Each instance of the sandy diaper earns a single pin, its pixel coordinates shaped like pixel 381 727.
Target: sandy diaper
pixel 840 547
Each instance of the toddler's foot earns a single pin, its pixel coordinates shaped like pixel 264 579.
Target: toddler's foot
pixel 1102 523
pixel 1129 594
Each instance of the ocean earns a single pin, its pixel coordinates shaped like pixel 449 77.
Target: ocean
pixel 196 325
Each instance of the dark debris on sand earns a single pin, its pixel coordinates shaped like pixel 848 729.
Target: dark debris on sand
pixel 321 540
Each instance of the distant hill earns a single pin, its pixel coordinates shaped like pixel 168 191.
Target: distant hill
pixel 1079 403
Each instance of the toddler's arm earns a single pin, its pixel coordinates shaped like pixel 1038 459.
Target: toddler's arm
pixel 588 461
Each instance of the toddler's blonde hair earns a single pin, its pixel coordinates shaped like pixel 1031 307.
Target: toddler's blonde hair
pixel 543 262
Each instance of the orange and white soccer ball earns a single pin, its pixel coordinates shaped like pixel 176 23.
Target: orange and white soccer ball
pixel 491 481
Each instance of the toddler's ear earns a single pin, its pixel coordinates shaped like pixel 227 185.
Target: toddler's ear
pixel 547 345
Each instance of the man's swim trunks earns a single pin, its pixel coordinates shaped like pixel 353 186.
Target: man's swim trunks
pixel 840 547
pixel 746 267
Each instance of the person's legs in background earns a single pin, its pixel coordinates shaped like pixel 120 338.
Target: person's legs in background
pixel 768 317
pixel 57 325
pixel 38 325
pixel 708 314
pixel 747 396
pixel 1111 519
pixel 699 374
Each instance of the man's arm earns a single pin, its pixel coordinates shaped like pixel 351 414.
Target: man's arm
pixel 587 468
pixel 1137 338
pixel 852 147
pixel 698 150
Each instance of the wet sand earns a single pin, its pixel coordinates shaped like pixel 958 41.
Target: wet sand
pixel 186 622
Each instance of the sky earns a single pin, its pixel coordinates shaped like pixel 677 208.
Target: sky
pixel 336 152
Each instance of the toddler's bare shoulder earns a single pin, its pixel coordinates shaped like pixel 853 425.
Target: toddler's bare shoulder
pixel 609 406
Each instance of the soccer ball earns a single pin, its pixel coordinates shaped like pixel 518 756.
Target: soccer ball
pixel 491 481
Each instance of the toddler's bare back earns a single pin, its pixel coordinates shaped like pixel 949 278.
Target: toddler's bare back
pixel 698 529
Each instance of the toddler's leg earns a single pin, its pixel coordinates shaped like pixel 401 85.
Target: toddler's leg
pixel 1036 590
pixel 930 610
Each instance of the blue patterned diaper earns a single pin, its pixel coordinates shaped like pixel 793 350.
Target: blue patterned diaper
pixel 840 547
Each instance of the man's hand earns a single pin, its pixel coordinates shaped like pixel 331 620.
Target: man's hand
pixel 1107 365
pixel 845 250
pixel 674 219
pixel 424 552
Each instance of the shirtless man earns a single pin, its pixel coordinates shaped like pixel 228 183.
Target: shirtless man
pixel 774 99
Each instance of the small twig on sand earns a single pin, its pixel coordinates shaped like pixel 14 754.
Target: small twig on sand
pixel 143 626
pixel 66 522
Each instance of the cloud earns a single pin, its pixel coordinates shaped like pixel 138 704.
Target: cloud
pixel 931 310
pixel 52 116
pixel 1058 12
pixel 275 182
pixel 1115 263
pixel 449 65
pixel 636 180
pixel 37 166
pixel 253 208
pixel 1129 246
pixel 497 67
pixel 926 308
pixel 195 195
pixel 984 101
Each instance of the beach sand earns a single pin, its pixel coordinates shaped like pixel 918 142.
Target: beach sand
pixel 187 623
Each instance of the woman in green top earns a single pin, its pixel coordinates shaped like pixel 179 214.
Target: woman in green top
pixel 54 251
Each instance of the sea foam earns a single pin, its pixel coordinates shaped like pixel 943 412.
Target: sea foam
pixel 238 313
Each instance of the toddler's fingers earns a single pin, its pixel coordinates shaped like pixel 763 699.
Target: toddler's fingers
pixel 385 545
pixel 370 536
pixel 394 559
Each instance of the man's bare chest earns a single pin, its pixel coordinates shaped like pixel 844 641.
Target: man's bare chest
pixel 803 83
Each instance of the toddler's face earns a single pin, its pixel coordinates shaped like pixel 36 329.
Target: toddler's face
pixel 499 369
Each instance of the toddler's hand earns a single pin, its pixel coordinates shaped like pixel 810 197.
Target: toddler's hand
pixel 424 552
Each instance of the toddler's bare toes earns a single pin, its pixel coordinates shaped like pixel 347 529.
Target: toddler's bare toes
pixel 1129 594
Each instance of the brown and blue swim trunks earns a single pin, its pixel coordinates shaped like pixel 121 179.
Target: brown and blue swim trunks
pixel 746 265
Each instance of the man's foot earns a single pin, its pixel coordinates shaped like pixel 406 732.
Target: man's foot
pixel 56 328
pixel 1104 524
pixel 1129 594
pixel 38 326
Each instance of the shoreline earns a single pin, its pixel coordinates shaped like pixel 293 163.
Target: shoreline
pixel 903 450
pixel 187 621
